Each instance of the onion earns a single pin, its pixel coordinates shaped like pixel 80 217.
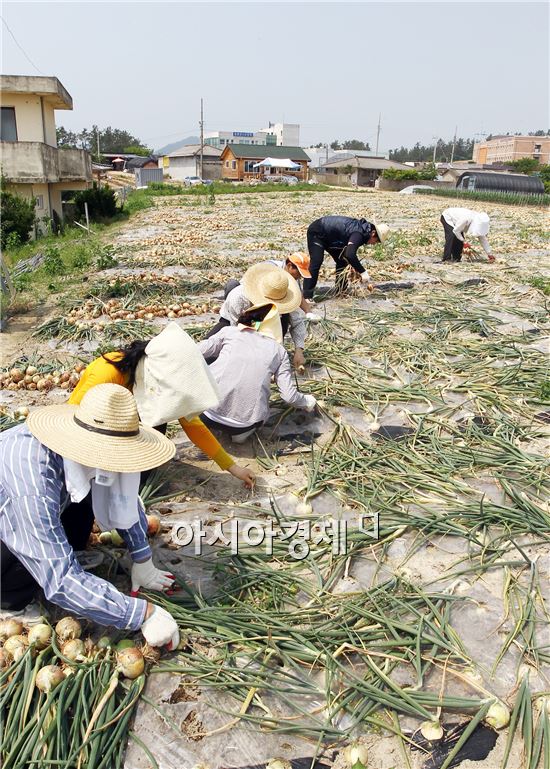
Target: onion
pixel 16 645
pixel 9 627
pixel 498 715
pixel 73 649
pixel 104 642
pixel 5 659
pixel 105 538
pixel 126 643
pixel 356 755
pixel 31 370
pixel 131 662
pixel 153 525
pixel 304 508
pixel 40 635
pixel 278 763
pixel 16 374
pixel 68 628
pixel 49 677
pixel 431 730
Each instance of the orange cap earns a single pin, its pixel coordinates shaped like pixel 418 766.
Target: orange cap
pixel 301 261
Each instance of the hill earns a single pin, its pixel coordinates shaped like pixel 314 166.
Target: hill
pixel 166 150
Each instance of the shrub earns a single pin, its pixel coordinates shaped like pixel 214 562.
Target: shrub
pixel 399 175
pixel 17 218
pixel 53 263
pixel 102 203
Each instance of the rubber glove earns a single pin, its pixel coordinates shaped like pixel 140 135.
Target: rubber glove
pixel 160 629
pixel 313 317
pixel 147 575
pixel 365 277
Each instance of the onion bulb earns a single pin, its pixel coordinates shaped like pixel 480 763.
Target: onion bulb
pixel 131 662
pixel 9 627
pixel 5 659
pixel 49 677
pixel 16 645
pixel 498 715
pixel 431 730
pixel 40 636
pixel 278 763
pixel 356 755
pixel 125 643
pixel 304 508
pixel 68 628
pixel 153 525
pixel 73 649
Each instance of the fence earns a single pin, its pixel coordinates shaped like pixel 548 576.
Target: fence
pixel 511 198
pixel 145 176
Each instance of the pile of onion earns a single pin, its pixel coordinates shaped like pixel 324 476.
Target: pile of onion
pixel 30 378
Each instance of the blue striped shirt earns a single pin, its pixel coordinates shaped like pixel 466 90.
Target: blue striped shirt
pixel 32 490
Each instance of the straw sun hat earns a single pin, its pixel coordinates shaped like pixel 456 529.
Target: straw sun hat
pixel 267 284
pixel 103 432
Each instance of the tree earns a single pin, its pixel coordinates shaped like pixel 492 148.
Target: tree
pixel 17 217
pixel 544 172
pixel 102 203
pixel 111 140
pixel 335 145
pixel 525 165
pixel 355 144
pixel 136 149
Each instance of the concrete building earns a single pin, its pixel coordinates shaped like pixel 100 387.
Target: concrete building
pixel 277 135
pixel 185 161
pixel 503 149
pixel 321 155
pixel 31 162
pixel 355 170
pixel 238 161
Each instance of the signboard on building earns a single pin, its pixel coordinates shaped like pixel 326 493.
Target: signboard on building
pixel 242 133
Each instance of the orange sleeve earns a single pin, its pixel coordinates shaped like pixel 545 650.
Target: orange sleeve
pixel 100 371
pixel 201 436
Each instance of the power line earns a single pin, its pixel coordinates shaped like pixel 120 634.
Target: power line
pixel 20 47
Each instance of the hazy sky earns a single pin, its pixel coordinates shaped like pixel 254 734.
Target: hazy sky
pixel 332 67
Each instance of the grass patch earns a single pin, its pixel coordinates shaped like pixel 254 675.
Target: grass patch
pixel 511 198
pixel 543 284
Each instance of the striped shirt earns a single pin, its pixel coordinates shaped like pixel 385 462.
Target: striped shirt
pixel 32 493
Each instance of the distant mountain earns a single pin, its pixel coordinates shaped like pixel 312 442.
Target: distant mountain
pixel 171 147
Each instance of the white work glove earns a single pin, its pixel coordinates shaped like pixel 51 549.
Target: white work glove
pixel 365 277
pixel 310 402
pixel 160 629
pixel 313 317
pixel 147 575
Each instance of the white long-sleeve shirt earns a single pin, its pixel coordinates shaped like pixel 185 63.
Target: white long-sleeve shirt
pixel 236 303
pixel 245 361
pixel 461 220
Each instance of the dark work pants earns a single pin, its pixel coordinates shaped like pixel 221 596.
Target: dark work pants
pixel 453 245
pixel 228 429
pixel 18 586
pixel 317 248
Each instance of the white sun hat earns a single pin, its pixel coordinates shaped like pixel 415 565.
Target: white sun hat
pixel 173 379
pixel 480 224
pixel 266 283
pixel 102 432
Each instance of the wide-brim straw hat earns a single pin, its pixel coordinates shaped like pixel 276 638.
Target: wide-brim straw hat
pixel 266 283
pixel 382 230
pixel 102 432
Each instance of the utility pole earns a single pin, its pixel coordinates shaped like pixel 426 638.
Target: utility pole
pixel 378 134
pixel 202 141
pixel 454 142
pixel 435 147
pixel 98 152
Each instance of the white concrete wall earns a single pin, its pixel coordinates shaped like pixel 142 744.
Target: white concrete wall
pixel 179 168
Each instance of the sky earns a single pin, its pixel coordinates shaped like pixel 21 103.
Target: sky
pixel 331 67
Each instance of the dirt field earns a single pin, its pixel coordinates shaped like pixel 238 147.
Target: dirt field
pixel 454 359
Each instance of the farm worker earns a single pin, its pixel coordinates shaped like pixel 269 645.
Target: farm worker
pixel 459 223
pixel 266 283
pixel 48 465
pixel 341 236
pixel 244 358
pixel 169 380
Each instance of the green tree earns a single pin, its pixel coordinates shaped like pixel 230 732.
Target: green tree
pixel 17 217
pixel 137 149
pixel 355 144
pixel 102 203
pixel 525 165
pixel 544 172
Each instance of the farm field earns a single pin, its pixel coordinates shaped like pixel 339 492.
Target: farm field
pixel 432 446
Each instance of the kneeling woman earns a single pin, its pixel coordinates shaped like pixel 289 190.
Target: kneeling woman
pixel 246 357
pixel 169 380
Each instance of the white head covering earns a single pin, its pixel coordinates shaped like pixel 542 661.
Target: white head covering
pixel 480 224
pixel 114 495
pixel 172 379
pixel 270 325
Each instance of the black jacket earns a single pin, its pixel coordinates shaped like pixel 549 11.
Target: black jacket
pixel 335 231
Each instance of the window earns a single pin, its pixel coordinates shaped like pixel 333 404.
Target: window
pixel 249 166
pixel 233 164
pixel 39 201
pixel 8 129
pixel 227 163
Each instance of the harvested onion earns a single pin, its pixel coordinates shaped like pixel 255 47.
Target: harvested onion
pixel 49 677
pixel 73 649
pixel 498 715
pixel 278 763
pixel 5 659
pixel 131 662
pixel 9 627
pixel 68 628
pixel 16 645
pixel 153 525
pixel 431 730
pixel 356 755
pixel 40 636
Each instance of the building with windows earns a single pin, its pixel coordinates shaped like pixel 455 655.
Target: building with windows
pixel 503 149
pixel 239 161
pixel 275 135
pixel 32 164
